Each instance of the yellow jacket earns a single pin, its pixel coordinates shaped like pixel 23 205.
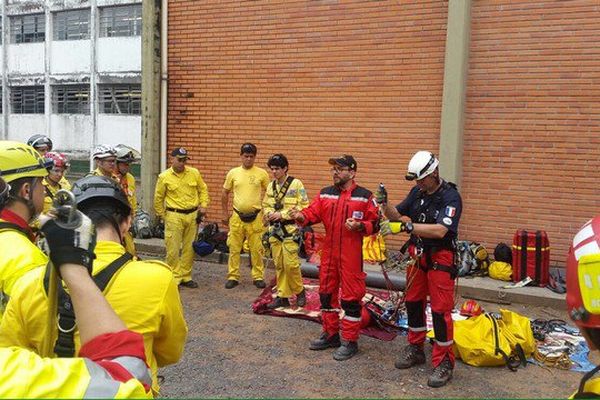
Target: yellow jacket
pixel 127 183
pixel 98 172
pixel 27 375
pixel 247 186
pixel 295 197
pixel 18 256
pixel 51 191
pixel 143 294
pixel 182 191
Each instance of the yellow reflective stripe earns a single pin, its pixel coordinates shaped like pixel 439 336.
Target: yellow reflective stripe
pixel 530 248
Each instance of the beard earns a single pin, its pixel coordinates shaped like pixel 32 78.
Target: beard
pixel 341 181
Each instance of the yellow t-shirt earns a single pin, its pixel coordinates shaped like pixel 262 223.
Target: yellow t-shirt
pixel 247 186
pixel 182 191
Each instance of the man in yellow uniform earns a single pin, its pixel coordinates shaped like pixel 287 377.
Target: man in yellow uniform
pixel 22 167
pixel 105 157
pixel 284 194
pixel 180 196
pixel 124 158
pixel 142 293
pixel 112 363
pixel 247 183
pixel 43 144
pixel 55 180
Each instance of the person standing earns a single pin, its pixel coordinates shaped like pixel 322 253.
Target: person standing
pixel 43 144
pixel 180 196
pixel 55 180
pixel 105 157
pixel 349 213
pixel 127 182
pixel 284 194
pixel 247 182
pixel 433 207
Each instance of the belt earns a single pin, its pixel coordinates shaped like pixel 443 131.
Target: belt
pixel 188 211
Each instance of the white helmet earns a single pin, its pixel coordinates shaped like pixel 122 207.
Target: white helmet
pixel 421 164
pixel 103 151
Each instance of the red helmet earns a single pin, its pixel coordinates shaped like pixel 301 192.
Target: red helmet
pixel 583 276
pixel 60 160
pixel 470 308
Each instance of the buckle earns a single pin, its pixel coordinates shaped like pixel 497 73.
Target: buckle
pixel 65 330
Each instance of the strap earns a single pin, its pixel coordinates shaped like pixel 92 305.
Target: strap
pixel 524 255
pixel 581 394
pixel 14 227
pixel 511 362
pixel 283 191
pixel 49 193
pixel 538 256
pixel 66 323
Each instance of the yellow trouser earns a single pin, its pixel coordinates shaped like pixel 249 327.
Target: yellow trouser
pixel 180 232
pixel 129 244
pixel 287 267
pixel 238 231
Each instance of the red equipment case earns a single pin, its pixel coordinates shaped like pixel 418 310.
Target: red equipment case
pixel 531 256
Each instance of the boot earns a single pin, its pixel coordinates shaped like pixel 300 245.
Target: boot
pixel 346 351
pixel 411 355
pixel 278 302
pixel 301 298
pixel 441 374
pixel 325 341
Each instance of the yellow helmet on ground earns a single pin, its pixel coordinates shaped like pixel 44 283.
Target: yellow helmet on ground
pixel 19 160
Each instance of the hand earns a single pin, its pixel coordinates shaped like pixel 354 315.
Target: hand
pixel 354 225
pixel 381 195
pixel 202 211
pixel 386 227
pixel 274 217
pixel 70 245
pixel 296 215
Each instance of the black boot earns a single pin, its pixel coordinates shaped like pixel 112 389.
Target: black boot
pixel 346 351
pixel 278 302
pixel 325 341
pixel 301 298
pixel 441 374
pixel 411 355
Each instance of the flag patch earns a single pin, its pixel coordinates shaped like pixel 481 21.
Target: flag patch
pixel 357 215
pixel 450 211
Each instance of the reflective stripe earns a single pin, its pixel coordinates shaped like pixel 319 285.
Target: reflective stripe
pixel 417 329
pixel 329 196
pixel 353 319
pixel 101 385
pixel 335 310
pixel 444 344
pixel 135 367
pixel 362 199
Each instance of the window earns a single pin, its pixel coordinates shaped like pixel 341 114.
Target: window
pixel 71 99
pixel 121 21
pixel 27 99
pixel 120 99
pixel 27 28
pixel 72 25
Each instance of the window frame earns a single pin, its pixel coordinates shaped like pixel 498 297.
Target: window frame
pixel 72 24
pixel 31 99
pixel 19 23
pixel 75 99
pixel 120 98
pixel 125 24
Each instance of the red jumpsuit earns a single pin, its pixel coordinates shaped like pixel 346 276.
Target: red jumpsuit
pixel 341 259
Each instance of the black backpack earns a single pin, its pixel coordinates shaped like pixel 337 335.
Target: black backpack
pixel 503 253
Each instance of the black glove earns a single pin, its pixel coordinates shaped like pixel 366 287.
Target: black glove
pixel 74 245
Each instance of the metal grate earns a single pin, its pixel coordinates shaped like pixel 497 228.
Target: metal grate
pixel 121 21
pixel 120 99
pixel 27 99
pixel 71 99
pixel 27 28
pixel 72 25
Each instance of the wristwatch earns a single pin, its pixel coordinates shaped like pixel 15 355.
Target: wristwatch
pixel 409 227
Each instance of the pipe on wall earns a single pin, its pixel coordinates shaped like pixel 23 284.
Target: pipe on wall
pixel 164 80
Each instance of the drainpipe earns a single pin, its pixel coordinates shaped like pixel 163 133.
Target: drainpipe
pixel 93 77
pixel 164 81
pixel 5 93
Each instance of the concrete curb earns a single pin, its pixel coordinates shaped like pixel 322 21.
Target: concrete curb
pixel 484 289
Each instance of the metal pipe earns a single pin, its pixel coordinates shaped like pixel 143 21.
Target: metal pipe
pixel 164 80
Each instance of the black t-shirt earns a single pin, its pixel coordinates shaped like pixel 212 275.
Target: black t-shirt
pixel 444 207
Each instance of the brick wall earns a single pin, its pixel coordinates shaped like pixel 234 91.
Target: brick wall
pixel 532 138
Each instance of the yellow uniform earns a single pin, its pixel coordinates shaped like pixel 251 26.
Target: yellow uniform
pixel 142 293
pixel 247 186
pixel 592 386
pixel 27 375
pixel 176 199
pixel 127 183
pixel 284 244
pixel 51 191
pixel 19 255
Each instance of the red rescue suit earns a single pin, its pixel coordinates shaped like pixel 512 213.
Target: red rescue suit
pixel 341 259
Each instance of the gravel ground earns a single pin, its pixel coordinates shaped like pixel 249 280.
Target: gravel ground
pixel 233 353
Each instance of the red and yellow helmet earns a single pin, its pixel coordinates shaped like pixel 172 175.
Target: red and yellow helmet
pixel 583 276
pixel 470 308
pixel 60 160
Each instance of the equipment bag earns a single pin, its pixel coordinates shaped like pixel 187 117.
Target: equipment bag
pixel 471 257
pixel 500 270
pixel 531 256
pixel 373 249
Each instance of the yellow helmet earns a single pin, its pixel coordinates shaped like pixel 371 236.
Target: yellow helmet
pixel 19 160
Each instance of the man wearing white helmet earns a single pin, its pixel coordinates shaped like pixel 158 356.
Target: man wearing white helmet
pixel 106 159
pixel 433 207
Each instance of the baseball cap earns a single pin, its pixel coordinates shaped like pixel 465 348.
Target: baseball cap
pixel 344 160
pixel 180 152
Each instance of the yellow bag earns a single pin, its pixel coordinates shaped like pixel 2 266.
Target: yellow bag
pixel 500 270
pixel 373 249
pixel 485 341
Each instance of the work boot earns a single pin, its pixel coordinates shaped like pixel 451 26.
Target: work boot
pixel 411 355
pixel 441 374
pixel 259 283
pixel 230 284
pixel 325 341
pixel 301 298
pixel 189 284
pixel 346 351
pixel 278 302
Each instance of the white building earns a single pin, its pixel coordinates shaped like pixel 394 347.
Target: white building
pixel 71 69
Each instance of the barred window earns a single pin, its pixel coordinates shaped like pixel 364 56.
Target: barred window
pixel 72 25
pixel 121 21
pixel 27 99
pixel 27 28
pixel 120 99
pixel 71 99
